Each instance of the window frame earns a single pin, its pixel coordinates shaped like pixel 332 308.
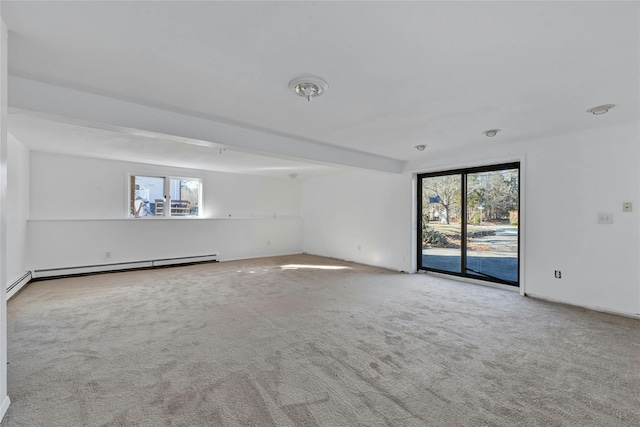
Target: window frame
pixel 166 193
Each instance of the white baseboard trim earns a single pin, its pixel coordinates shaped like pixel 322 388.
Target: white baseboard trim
pixel 14 287
pixel 101 268
pixel 184 260
pixel 588 307
pixel 5 405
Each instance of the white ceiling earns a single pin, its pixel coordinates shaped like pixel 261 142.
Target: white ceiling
pixel 399 73
pixel 60 136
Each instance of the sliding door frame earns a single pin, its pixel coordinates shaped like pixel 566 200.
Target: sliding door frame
pixel 463 232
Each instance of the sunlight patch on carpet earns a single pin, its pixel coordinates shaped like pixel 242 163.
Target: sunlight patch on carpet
pixel 318 267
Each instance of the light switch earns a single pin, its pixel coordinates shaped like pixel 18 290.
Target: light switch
pixel 627 207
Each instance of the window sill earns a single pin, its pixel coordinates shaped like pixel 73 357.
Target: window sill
pixel 174 218
pixel 154 218
pixel 116 219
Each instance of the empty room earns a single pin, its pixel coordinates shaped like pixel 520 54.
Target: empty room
pixel 319 213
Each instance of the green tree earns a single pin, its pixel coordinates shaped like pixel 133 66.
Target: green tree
pixel 497 191
pixel 443 191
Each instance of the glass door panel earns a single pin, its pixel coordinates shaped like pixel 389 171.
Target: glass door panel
pixel 492 225
pixel 441 223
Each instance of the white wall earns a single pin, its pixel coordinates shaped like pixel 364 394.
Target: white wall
pixel 4 181
pixel 570 179
pixel 17 209
pixel 567 179
pixel 359 216
pixel 78 213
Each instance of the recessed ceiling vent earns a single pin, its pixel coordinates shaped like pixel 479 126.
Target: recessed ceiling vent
pixel 491 132
pixel 600 109
pixel 308 86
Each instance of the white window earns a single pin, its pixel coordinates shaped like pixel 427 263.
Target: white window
pixel 152 196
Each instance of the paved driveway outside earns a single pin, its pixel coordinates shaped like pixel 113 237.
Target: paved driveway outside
pixel 501 261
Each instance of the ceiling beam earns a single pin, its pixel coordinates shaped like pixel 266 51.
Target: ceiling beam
pixel 39 97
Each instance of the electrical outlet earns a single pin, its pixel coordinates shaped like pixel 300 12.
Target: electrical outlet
pixel 558 274
pixel 605 218
pixel 627 207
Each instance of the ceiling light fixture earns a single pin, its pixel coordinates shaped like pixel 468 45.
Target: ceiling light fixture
pixel 600 109
pixel 420 147
pixel 491 132
pixel 308 86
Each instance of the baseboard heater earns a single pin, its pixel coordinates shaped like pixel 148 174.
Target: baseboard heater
pixel 18 284
pixel 103 268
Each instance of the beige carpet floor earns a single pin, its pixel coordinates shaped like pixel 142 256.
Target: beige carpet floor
pixel 290 341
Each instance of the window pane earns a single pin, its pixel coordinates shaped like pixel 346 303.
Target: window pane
pixel 185 196
pixel 147 196
pixel 441 225
pixel 492 225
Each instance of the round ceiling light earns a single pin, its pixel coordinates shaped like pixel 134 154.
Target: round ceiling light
pixel 491 132
pixel 600 109
pixel 308 86
pixel 420 147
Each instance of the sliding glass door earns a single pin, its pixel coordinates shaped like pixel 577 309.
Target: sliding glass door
pixel 469 222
